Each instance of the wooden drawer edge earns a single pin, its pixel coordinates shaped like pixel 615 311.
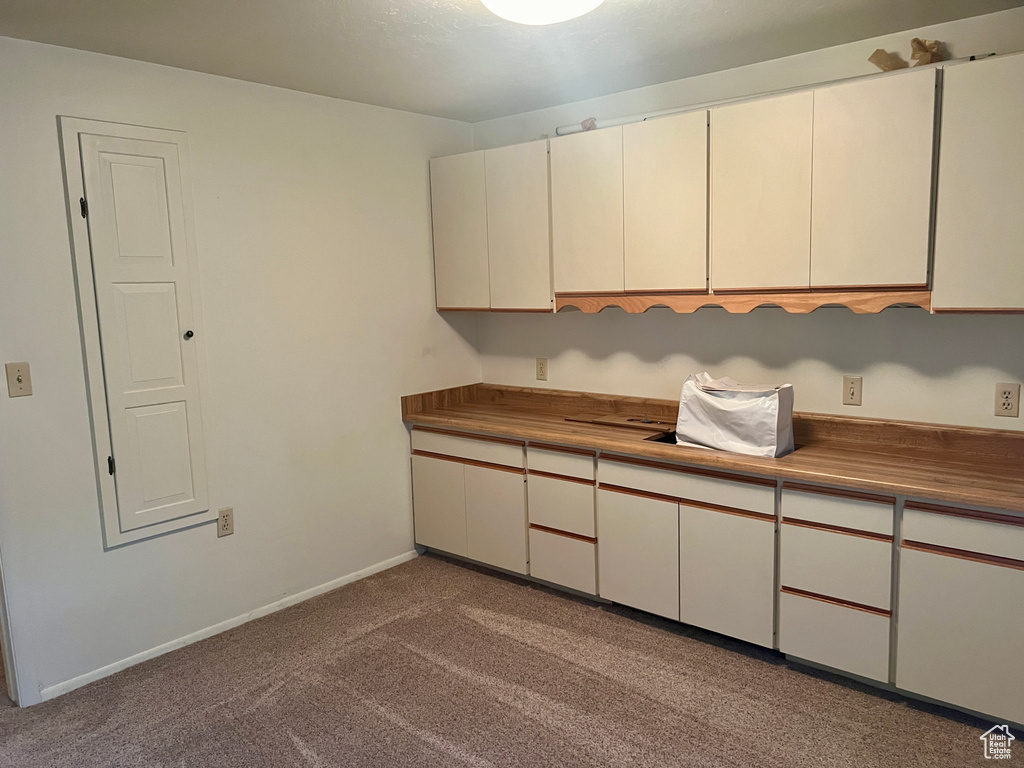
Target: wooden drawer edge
pixel 789 485
pixel 968 514
pixel 689 502
pixel 796 522
pixel 556 476
pixel 566 534
pixel 561 449
pixel 471 462
pixel 651 464
pixel 963 554
pixel 835 601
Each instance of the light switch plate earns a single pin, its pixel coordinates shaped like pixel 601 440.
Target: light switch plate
pixel 19 379
pixel 225 522
pixel 852 386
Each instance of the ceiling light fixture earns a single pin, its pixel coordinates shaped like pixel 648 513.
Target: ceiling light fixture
pixel 539 12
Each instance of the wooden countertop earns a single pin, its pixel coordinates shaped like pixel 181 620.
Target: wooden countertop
pixel 955 465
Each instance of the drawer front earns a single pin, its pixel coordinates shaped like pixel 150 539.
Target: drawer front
pixel 712 490
pixel 837 565
pixel 468 448
pixel 845 512
pixel 961 631
pixel 842 638
pixel 565 561
pixel 558 463
pixel 988 537
pixel 561 504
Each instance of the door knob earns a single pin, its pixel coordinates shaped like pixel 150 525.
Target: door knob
pixel 188 335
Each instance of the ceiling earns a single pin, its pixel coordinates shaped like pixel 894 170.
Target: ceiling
pixel 452 58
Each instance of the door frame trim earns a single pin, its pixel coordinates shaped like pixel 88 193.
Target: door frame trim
pixel 68 129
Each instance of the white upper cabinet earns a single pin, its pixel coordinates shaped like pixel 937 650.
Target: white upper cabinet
pixel 665 171
pixel 761 193
pixel 979 232
pixel 586 211
pixel 872 179
pixel 458 201
pixel 518 232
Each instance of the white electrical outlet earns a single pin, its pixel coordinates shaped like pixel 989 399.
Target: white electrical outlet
pixel 852 386
pixel 542 369
pixel 1008 399
pixel 225 522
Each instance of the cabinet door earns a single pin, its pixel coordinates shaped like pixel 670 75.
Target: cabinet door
pixel 979 226
pixel 665 186
pixel 586 211
pixel 439 504
pixel 496 518
pixel 458 206
pixel 727 573
pixel 761 193
pixel 961 631
pixel 638 552
pixel 518 231
pixel 872 181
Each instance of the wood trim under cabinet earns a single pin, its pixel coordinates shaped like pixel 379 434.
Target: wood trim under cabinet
pixel 836 601
pixel 565 478
pixel 566 534
pixel 651 464
pixel 963 554
pixel 641 494
pixel 837 529
pixel 970 514
pixel 562 449
pixel 463 309
pixel 548 311
pixel 471 436
pixel 795 301
pixel 838 493
pixel 471 462
pixel 978 311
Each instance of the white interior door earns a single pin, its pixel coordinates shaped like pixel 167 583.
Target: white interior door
pixel 139 243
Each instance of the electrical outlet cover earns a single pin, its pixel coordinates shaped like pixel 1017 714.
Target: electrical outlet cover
pixel 542 369
pixel 225 522
pixel 1008 399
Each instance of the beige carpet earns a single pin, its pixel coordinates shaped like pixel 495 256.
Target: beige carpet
pixel 436 664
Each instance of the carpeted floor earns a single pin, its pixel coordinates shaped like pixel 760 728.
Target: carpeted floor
pixel 437 664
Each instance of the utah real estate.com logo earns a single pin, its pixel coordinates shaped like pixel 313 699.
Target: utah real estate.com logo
pixel 997 742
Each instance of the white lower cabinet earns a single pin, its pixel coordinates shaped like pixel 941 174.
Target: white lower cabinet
pixel 727 573
pixel 496 518
pixel 564 560
pixel 439 504
pixel 961 633
pixel 837 636
pixel 638 555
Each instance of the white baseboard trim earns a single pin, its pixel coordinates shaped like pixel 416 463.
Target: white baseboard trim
pixel 98 674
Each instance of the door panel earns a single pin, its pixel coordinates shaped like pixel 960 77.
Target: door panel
pixel 137 235
pixel 458 203
pixel 761 193
pixel 638 553
pixel 496 527
pixel 439 504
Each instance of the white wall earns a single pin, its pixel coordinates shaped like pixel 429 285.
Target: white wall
pixel 313 233
pixel 916 367
pixel 1001 32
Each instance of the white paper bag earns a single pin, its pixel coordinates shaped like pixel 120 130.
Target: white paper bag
pixel 744 418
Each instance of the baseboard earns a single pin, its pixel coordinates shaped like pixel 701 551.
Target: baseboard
pixel 89 677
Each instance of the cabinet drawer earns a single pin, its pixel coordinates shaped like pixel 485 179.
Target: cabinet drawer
pixel 856 511
pixel 838 565
pixel 1001 535
pixel 493 451
pixel 753 494
pixel 561 462
pixel 562 504
pixel 843 638
pixel 563 560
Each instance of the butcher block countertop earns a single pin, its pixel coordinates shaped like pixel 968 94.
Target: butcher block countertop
pixel 954 465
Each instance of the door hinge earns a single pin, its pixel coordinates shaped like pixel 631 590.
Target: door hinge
pixel 110 464
pixel 85 207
